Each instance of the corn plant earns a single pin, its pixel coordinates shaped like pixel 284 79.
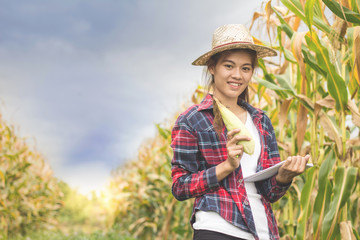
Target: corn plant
pixel 29 194
pixel 144 205
pixel 311 93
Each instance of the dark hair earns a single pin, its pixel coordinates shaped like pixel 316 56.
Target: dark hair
pixel 211 63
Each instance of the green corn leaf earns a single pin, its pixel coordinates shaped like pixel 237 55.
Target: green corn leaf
pixel 311 62
pixel 342 12
pixel 305 204
pixel 296 7
pixel 356 233
pixel 262 66
pixel 268 78
pixel 353 209
pixel 336 85
pixel 344 181
pixel 287 29
pixel 284 83
pixel 309 12
pixel 284 25
pixel 268 84
pixel 321 207
pixel 323 196
pixel 323 26
pixel 287 54
pixel 355 5
pixel 165 133
pixel 317 9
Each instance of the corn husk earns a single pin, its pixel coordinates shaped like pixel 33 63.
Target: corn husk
pixel 232 122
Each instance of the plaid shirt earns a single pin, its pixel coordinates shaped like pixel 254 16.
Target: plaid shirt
pixel 198 149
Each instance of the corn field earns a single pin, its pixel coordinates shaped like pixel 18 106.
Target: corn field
pixel 145 207
pixel 311 92
pixel 314 105
pixel 29 194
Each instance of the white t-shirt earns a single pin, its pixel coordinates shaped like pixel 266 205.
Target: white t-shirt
pixel 214 222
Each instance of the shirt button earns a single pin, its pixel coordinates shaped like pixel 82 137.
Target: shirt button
pixel 246 202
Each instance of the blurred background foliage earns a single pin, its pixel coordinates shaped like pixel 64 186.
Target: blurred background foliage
pixel 311 93
pixel 29 194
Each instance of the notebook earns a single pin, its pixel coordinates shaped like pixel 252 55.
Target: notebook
pixel 269 172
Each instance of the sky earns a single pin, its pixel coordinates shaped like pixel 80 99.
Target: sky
pixel 88 80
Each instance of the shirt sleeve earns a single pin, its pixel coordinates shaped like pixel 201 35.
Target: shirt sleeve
pixel 270 188
pixel 188 180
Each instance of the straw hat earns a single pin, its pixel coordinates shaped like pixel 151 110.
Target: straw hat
pixel 233 36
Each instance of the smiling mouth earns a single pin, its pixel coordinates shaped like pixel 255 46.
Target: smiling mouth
pixel 235 84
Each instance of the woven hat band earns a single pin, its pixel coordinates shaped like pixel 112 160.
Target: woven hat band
pixel 226 44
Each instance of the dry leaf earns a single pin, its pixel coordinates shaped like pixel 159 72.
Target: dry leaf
pixel 346 231
pixel 281 9
pixel 284 108
pixel 296 24
pixel 301 124
pixel 331 130
pixel 256 15
pixel 353 142
pixel 296 44
pixel 355 112
pixel 328 102
pixel 269 11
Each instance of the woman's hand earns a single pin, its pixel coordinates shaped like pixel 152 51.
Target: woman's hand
pixel 235 151
pixel 293 166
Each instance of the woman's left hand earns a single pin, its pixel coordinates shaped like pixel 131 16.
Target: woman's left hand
pixel 293 166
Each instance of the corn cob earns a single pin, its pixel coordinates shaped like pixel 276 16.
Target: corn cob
pixel 232 122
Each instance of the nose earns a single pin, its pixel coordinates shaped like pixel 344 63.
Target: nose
pixel 236 73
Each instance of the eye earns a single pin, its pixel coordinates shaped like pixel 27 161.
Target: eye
pixel 247 69
pixel 228 66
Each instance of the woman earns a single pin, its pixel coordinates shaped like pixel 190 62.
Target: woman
pixel 209 166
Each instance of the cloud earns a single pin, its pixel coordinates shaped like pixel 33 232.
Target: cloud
pixel 89 79
pixel 86 177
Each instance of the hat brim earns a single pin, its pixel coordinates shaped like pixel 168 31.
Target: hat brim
pixel 261 51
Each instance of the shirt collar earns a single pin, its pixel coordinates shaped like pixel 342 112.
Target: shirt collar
pixel 206 103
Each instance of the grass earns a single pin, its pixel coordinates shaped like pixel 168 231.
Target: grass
pixel 57 235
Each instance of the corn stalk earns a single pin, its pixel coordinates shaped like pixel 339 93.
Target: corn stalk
pixel 316 81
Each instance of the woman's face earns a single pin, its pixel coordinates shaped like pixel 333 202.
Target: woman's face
pixel 232 74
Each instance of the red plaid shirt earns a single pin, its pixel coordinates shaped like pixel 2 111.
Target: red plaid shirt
pixel 198 149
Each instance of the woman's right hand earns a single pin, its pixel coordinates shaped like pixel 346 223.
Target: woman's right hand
pixel 235 151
